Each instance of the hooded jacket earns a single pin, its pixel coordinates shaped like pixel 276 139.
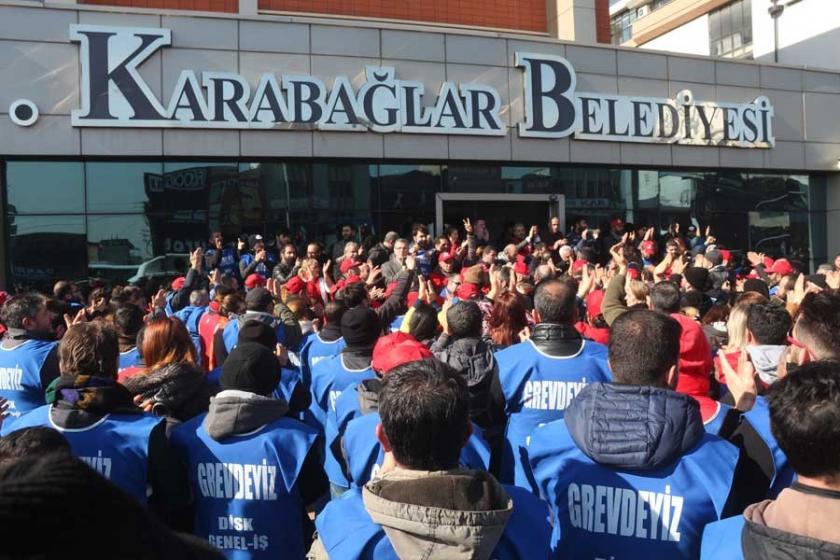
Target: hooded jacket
pixel 641 428
pixel 640 443
pixel 800 523
pixel 234 412
pixel 458 514
pixel 473 359
pixel 765 358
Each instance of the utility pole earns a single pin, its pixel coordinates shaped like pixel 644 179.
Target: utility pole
pixel 775 11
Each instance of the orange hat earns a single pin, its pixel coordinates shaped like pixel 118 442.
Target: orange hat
pixel 395 350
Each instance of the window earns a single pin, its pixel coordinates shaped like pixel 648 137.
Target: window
pixel 45 187
pixel 730 30
pixel 622 27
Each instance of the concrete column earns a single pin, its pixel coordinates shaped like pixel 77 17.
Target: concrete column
pixel 832 206
pixel 248 7
pixel 572 20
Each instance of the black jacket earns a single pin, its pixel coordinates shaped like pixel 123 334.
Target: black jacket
pixel 178 392
pixel 473 358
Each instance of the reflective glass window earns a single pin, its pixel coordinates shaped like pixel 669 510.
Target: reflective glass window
pixel 121 186
pixel 44 187
pixel 43 249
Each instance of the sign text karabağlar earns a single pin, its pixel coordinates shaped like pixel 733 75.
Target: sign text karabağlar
pixel 114 94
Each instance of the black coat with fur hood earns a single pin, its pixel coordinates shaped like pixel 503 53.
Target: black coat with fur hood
pixel 178 391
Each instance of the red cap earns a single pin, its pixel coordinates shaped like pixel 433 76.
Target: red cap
pixel 468 290
pixel 634 273
pixel 593 303
pixel 347 264
pixel 178 283
pixel 295 285
pixel 396 349
pixel 648 247
pixel 521 268
pixel 445 257
pixel 781 266
pixel 254 281
pixel 3 297
pixel 616 223
pixel 725 255
pixel 578 264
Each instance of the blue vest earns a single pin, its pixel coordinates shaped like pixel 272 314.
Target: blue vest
pixel 247 502
pixel 347 531
pixel 329 378
pixel 190 316
pixel 227 262
pixel 602 512
pixel 261 268
pixel 538 388
pixel 365 455
pixel 314 350
pixel 129 358
pixel 722 540
pixel 117 446
pixel 714 424
pixel 783 476
pixel 20 375
pixel 347 407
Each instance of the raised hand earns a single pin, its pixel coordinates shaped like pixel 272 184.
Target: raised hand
pixel 197 258
pixel 740 381
pixel 468 227
pixel 78 319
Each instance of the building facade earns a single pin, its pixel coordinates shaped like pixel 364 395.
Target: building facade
pixel 128 134
pixel 795 32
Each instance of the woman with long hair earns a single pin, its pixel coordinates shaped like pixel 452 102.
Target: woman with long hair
pixel 508 318
pixel 736 329
pixel 171 385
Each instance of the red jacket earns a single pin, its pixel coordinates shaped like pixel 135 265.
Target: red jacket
pixel 206 331
pixel 695 365
pixel 601 336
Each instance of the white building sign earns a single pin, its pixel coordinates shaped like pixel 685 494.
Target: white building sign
pixel 114 94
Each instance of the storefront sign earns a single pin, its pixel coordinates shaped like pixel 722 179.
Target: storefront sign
pixel 114 94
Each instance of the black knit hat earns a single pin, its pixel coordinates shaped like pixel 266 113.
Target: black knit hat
pixel 360 326
pixel 251 367
pixel 258 332
pixel 758 286
pixel 258 299
pixel 697 276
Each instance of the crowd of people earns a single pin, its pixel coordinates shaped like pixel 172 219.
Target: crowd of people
pixel 620 392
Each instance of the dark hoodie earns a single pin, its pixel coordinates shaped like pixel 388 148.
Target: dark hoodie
pixel 633 427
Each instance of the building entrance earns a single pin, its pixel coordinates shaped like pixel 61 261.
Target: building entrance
pixel 499 211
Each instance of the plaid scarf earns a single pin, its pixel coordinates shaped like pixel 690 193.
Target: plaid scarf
pixel 98 395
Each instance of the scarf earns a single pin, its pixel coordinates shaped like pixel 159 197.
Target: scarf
pixel 98 395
